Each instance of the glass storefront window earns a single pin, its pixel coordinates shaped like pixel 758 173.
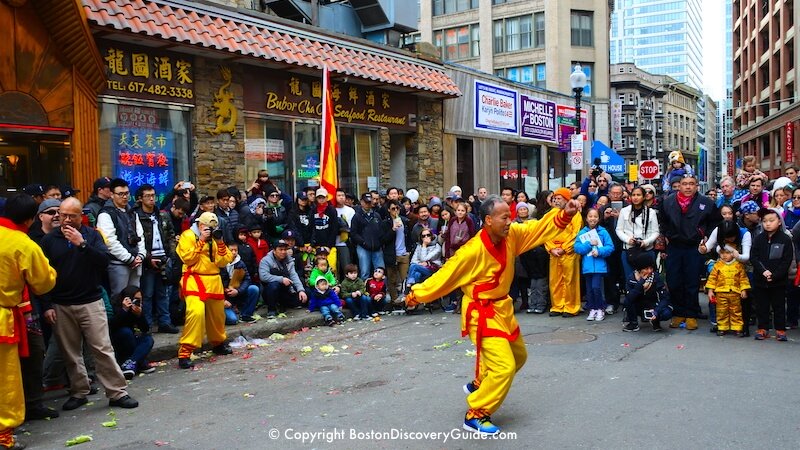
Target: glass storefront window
pixel 519 168
pixel 560 173
pixel 290 151
pixel 268 145
pixel 358 161
pixel 144 144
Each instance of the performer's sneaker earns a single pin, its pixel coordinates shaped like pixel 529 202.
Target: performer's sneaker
pixel 469 388
pixel 482 426
pixel 185 363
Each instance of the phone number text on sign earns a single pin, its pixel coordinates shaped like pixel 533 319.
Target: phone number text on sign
pixel 150 88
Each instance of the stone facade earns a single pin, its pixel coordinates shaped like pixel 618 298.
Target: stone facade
pixel 218 160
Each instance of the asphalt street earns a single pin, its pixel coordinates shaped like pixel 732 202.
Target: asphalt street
pixel 397 383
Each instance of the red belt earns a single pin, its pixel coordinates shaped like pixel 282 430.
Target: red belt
pixel 201 292
pixel 485 308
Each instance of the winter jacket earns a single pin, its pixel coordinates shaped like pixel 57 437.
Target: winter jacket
pixel 644 227
pixel 270 270
pixel 657 297
pixel 231 227
pixel 428 256
pixel 94 205
pixel 349 286
pixel 235 275
pixel 79 271
pixel 301 221
pixel 375 287
pixel 165 229
pixel 249 259
pixel 687 230
pixel 123 233
pixel 260 247
pixel 369 230
pixel 126 319
pixel 728 277
pixel 316 273
pixel 536 263
pixel 589 263
pixel 325 227
pixel 275 221
pixel 774 253
pixel 316 299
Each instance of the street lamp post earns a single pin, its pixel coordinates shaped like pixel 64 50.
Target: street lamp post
pixel 577 80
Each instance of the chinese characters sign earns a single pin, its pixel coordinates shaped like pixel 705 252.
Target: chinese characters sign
pixel 148 73
pixel 144 156
pixel 301 96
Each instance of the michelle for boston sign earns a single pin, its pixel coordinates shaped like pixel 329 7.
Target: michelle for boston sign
pixel 538 119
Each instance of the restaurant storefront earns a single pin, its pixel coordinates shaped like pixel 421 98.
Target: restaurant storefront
pixel 50 76
pixel 215 108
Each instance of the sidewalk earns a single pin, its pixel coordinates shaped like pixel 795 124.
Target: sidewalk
pixel 166 345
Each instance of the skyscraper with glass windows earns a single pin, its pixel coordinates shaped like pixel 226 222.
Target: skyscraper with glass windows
pixel 660 36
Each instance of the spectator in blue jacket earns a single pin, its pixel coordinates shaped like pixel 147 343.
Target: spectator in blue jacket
pixel 595 245
pixel 326 301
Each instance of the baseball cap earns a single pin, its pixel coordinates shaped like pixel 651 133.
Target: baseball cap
pixel 208 219
pixel 289 234
pixel 281 243
pixel 102 182
pixel 47 204
pixel 68 191
pixel 301 195
pixel 34 189
pixel 366 197
pixel 322 192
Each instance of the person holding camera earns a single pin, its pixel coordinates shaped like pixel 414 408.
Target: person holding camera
pixel 637 228
pixel 647 295
pixel 130 333
pixel 159 242
pixel 124 236
pixel 203 252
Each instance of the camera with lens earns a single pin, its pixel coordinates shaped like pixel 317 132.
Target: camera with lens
pixel 217 234
pixel 596 169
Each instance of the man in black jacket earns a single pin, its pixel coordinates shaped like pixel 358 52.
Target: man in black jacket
pixel 325 222
pixel 76 308
pixel 687 219
pixel 368 233
pixel 159 242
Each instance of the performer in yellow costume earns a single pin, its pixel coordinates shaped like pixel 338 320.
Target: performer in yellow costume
pixel 203 254
pixel 484 268
pixel 24 267
pixel 565 267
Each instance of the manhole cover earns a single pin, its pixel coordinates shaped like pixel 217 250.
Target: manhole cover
pixel 561 337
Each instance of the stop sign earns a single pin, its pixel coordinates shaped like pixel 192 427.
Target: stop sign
pixel 648 170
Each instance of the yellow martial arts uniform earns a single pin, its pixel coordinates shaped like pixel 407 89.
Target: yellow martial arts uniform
pixel 565 270
pixel 22 263
pixel 728 280
pixel 484 273
pixel 201 288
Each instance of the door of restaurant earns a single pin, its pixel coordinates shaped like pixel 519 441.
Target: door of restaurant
pixel 30 157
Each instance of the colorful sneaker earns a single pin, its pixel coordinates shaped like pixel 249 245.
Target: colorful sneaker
pixel 781 336
pixel 600 315
pixel 449 308
pixel 761 334
pixel 592 315
pixel 129 369
pixel 482 426
pixel 469 388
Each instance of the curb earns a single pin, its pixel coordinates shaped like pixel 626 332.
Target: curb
pixel 166 345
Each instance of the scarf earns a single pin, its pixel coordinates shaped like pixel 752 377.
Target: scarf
pixel 321 208
pixel 683 202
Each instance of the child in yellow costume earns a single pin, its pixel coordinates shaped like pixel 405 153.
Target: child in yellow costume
pixel 727 285
pixel 203 254
pixel 565 268
pixel 484 268
pixel 24 267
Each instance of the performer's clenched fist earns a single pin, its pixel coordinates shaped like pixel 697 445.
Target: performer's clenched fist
pixel 572 207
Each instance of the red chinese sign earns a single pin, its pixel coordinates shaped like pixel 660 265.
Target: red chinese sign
pixel 789 143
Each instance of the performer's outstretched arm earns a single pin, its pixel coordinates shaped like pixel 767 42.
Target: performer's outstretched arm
pixel 534 233
pixel 455 273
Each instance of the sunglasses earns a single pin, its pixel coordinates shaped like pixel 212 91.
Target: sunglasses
pixel 796 197
pixel 427 235
pixel 50 212
pixel 592 185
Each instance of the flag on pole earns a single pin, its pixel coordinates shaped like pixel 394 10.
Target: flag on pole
pixel 329 175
